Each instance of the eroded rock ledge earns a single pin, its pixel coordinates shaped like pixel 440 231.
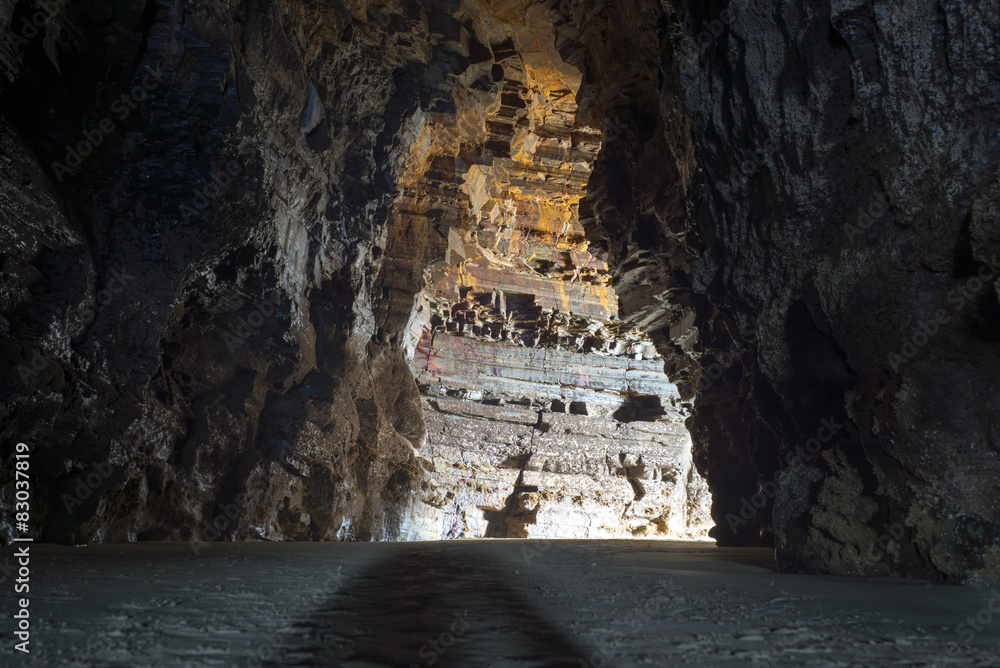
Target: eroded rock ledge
pixel 519 471
pixel 542 443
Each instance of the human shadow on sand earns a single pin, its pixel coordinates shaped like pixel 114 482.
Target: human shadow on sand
pixel 427 606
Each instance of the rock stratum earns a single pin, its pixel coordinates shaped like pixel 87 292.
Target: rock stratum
pixel 233 234
pixel 545 443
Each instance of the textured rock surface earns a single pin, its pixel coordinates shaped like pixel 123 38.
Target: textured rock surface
pixel 797 203
pixel 613 466
pixel 818 250
pixel 192 298
pixel 212 343
pixel 601 383
pixel 488 259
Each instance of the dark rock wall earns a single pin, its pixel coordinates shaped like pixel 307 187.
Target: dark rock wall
pixel 862 247
pixel 191 304
pixel 827 284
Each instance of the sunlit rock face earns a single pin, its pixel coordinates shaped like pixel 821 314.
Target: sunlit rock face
pixel 542 442
pixel 488 209
pixel 513 322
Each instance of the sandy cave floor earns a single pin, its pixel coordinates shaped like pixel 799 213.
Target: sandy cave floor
pixel 481 603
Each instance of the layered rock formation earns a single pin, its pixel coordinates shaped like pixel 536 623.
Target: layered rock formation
pixel 519 471
pixel 488 259
pixel 227 228
pixel 542 443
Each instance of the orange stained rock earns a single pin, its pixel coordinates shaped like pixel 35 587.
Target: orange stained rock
pixel 519 214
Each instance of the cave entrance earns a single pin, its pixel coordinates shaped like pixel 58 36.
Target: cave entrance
pixel 547 414
pixel 560 438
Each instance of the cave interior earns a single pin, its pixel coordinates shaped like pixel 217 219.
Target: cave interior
pixel 399 271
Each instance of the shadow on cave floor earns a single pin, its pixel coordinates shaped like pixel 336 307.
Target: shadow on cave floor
pixel 427 607
pixel 527 602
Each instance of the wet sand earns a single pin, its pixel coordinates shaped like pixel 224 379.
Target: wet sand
pixel 482 603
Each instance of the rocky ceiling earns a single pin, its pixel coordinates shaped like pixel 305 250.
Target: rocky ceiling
pixel 233 233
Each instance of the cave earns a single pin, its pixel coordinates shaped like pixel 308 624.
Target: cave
pixel 518 305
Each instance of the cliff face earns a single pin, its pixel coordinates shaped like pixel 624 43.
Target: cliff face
pixel 227 227
pixel 198 204
pixel 489 285
pixel 829 277
pixel 852 189
pixel 191 303
pixel 528 442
